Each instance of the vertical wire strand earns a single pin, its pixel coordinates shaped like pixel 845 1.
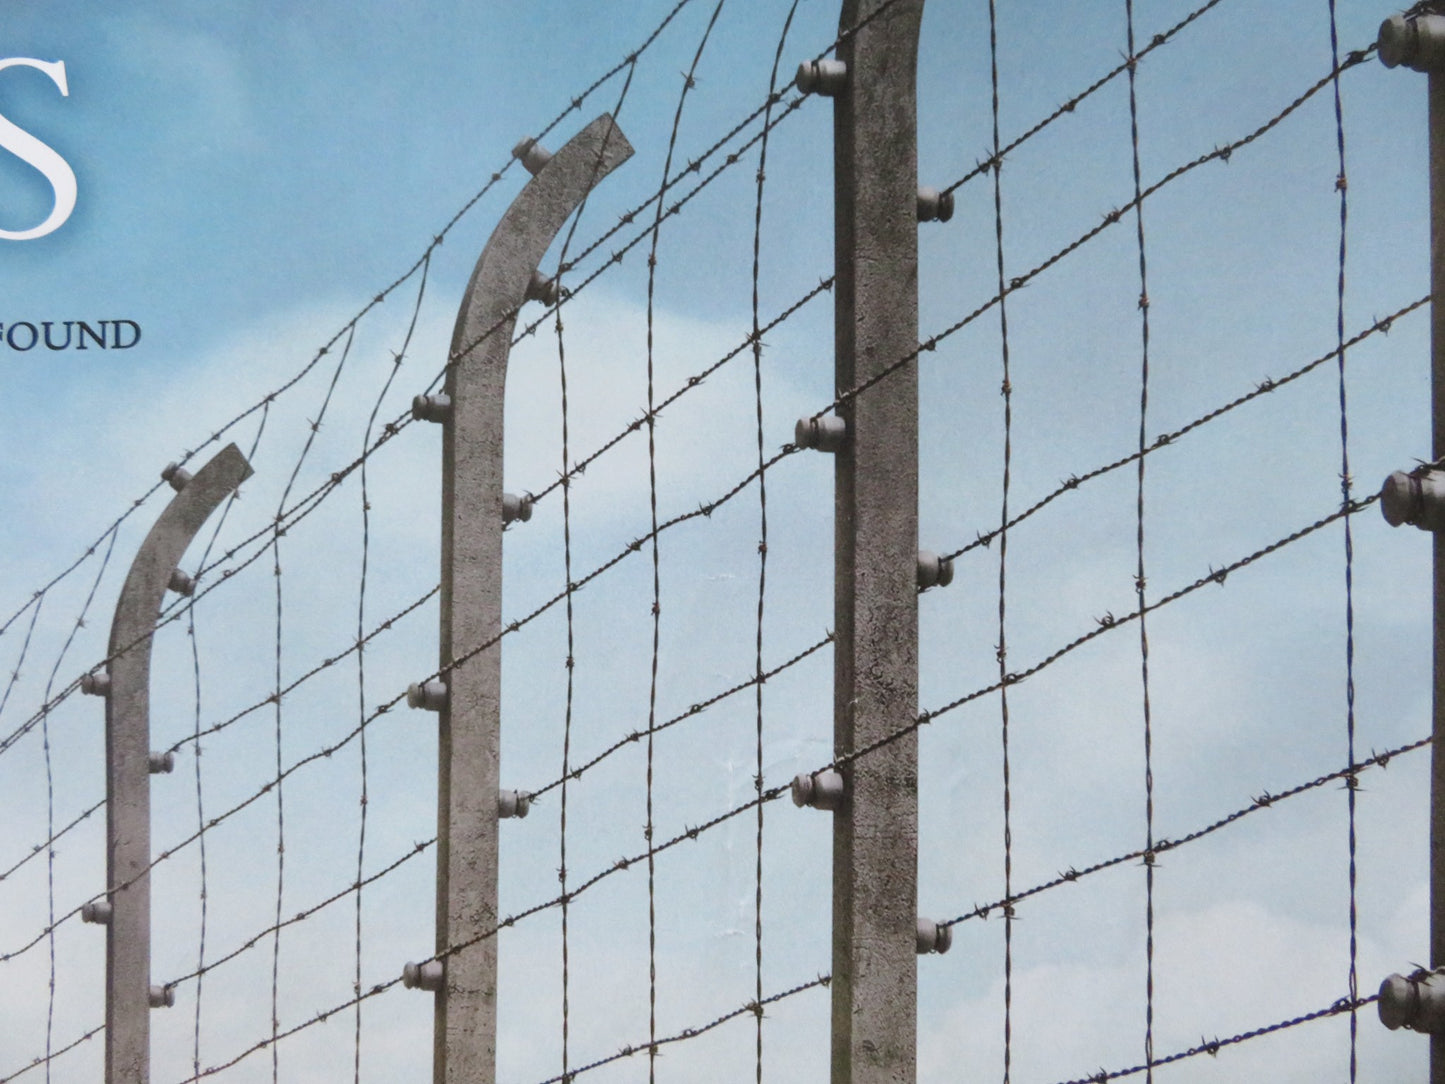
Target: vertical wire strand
pixel 757 349
pixel 276 534
pixel 689 81
pixel 571 662
pixel 1140 581
pixel 1006 389
pixel 15 673
pixel 50 791
pixel 1351 788
pixel 363 797
pixel 196 753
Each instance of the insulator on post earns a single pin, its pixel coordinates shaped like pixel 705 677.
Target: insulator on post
pixel 542 288
pixel 162 997
pixel 516 508
pixel 162 763
pixel 1416 497
pixel 934 206
pixel 818 790
pixel 96 912
pixel 182 584
pixel 933 570
pixel 1416 1002
pixel 532 155
pixel 933 937
pixel 1417 42
pixel 826 434
pixel 431 408
pixel 176 475
pixel 95 684
pixel 428 976
pixel 428 695
pixel 513 803
pixel 825 77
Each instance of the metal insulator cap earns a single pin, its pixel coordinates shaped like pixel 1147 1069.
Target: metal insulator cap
pixel 182 584
pixel 427 976
pixel 97 912
pixel 819 790
pixel 513 803
pixel 542 288
pixel 431 408
pixel 428 695
pixel 516 508
pixel 934 206
pixel 1417 43
pixel 827 434
pixel 933 937
pixel 162 997
pixel 532 155
pixel 825 77
pixel 1416 1002
pixel 95 684
pixel 162 763
pixel 176 475
pixel 933 570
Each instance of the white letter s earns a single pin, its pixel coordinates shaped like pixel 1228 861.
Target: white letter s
pixel 32 151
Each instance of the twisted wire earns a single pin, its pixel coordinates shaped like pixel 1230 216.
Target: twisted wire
pixel 1348 775
pixel 1139 578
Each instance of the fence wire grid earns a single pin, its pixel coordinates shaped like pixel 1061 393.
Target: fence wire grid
pixel 1173 807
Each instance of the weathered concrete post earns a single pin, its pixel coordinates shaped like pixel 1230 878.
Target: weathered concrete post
pixel 875 828
pixel 1418 41
pixel 473 510
pixel 126 912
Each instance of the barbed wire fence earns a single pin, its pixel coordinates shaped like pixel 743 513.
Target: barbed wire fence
pixel 656 709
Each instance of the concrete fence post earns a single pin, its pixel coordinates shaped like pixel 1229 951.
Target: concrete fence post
pixel 873 83
pixel 126 912
pixel 468 697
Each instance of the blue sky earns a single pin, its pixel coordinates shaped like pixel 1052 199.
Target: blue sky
pixel 250 177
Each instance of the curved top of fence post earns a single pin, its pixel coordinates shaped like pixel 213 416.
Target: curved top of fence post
pixel 127 741
pixel 498 285
pixel 469 731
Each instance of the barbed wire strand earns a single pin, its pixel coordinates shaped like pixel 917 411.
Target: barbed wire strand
pixel 754 1007
pixel 1342 186
pixel 38 1062
pixel 757 343
pixel 689 81
pixel 50 792
pixel 363 797
pixel 1140 582
pixel 1001 648
pixel 16 671
pixel 1214 1046
pixel 315 428
pixel 570 662
pixel 1266 800
pixel 192 636
pixel 1265 387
